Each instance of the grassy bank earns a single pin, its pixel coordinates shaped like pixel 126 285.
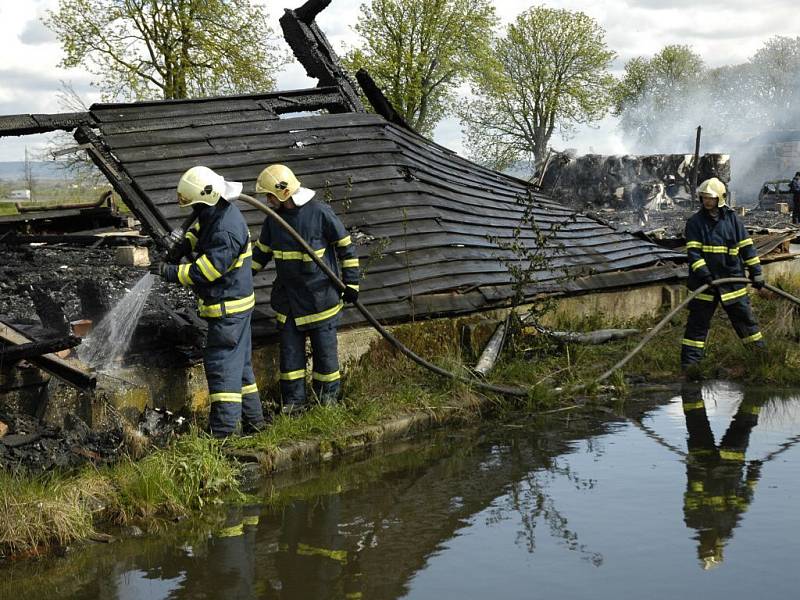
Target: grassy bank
pixel 56 509
pixel 38 512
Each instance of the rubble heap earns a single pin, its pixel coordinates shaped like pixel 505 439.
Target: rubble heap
pixel 650 182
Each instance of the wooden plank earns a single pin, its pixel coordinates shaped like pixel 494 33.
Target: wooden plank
pixel 275 127
pixel 41 123
pixel 257 159
pixel 248 175
pixel 51 363
pixel 165 109
pixel 191 120
pixel 248 143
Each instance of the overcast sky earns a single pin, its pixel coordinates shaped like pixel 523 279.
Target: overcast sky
pixel 722 32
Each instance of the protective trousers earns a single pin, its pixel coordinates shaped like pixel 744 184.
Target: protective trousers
pixel 325 375
pixel 229 370
pixel 697 326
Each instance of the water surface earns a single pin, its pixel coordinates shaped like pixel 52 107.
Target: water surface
pixel 693 495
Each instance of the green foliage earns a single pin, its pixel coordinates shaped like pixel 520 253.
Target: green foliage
pixel 775 70
pixel 418 52
pixel 174 481
pixel 39 511
pixel 530 256
pixel 549 72
pixel 661 99
pixel 655 92
pixel 146 49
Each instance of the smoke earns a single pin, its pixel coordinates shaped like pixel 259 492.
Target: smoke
pixel 750 111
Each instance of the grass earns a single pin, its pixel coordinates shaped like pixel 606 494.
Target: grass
pixel 7 209
pixel 536 359
pixel 37 512
pixel 194 471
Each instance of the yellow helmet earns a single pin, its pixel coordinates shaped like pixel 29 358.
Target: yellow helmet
pixel 279 181
pixel 715 188
pixel 202 185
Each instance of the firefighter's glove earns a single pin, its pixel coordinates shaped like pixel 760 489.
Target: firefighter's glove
pixel 159 268
pixel 350 295
pixel 707 278
pixel 758 281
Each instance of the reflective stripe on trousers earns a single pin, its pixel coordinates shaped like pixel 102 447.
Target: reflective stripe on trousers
pixel 325 377
pixel 227 359
pixel 700 313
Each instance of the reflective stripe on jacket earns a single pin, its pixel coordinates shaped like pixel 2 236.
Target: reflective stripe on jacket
pixel 721 248
pixel 221 275
pixel 301 290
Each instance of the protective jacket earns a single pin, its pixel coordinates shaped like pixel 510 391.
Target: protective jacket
pixel 301 290
pixel 721 248
pixel 221 275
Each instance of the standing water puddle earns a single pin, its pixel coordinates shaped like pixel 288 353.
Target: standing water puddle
pixel 109 340
pixel 582 507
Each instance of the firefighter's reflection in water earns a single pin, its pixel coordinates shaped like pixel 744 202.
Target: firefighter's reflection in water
pixel 231 557
pixel 313 561
pixel 719 483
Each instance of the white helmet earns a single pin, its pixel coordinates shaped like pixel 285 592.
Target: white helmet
pixel 279 181
pixel 201 184
pixel 715 189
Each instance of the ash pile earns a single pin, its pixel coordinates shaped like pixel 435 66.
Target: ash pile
pixel 632 187
pixel 26 444
pixel 49 291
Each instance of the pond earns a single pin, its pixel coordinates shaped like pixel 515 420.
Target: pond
pixel 693 493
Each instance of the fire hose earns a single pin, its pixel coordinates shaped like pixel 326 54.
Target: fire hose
pixel 500 389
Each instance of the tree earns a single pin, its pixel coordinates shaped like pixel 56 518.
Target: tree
pixel 549 72
pixel 61 145
pixel 776 71
pixel 145 49
pixel 419 51
pixel 656 93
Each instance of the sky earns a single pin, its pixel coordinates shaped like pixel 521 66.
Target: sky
pixel 722 32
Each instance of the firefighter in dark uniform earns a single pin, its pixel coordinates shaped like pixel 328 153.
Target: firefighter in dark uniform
pixel 719 484
pixel 305 301
pixel 718 246
pixel 221 278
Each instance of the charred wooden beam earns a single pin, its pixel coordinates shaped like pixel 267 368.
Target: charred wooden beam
pixel 54 365
pixel 379 101
pixel 42 123
pixel 11 353
pixel 94 297
pixel 50 313
pixel 312 49
pixel 136 199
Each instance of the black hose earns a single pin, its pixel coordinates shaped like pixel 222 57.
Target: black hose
pixel 500 389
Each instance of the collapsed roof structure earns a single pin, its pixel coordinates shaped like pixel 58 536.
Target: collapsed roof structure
pixel 434 230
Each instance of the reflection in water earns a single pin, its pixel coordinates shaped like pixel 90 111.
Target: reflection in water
pixel 582 507
pixel 719 483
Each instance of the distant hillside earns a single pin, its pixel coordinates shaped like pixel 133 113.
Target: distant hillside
pixel 51 169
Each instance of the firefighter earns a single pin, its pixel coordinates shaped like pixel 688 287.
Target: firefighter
pixel 794 187
pixel 719 483
pixel 305 301
pixel 221 278
pixel 718 246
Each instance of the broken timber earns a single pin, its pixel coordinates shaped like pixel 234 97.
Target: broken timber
pixel 12 353
pixel 51 363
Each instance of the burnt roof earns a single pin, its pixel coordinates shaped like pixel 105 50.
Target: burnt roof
pixel 431 226
pixel 427 216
